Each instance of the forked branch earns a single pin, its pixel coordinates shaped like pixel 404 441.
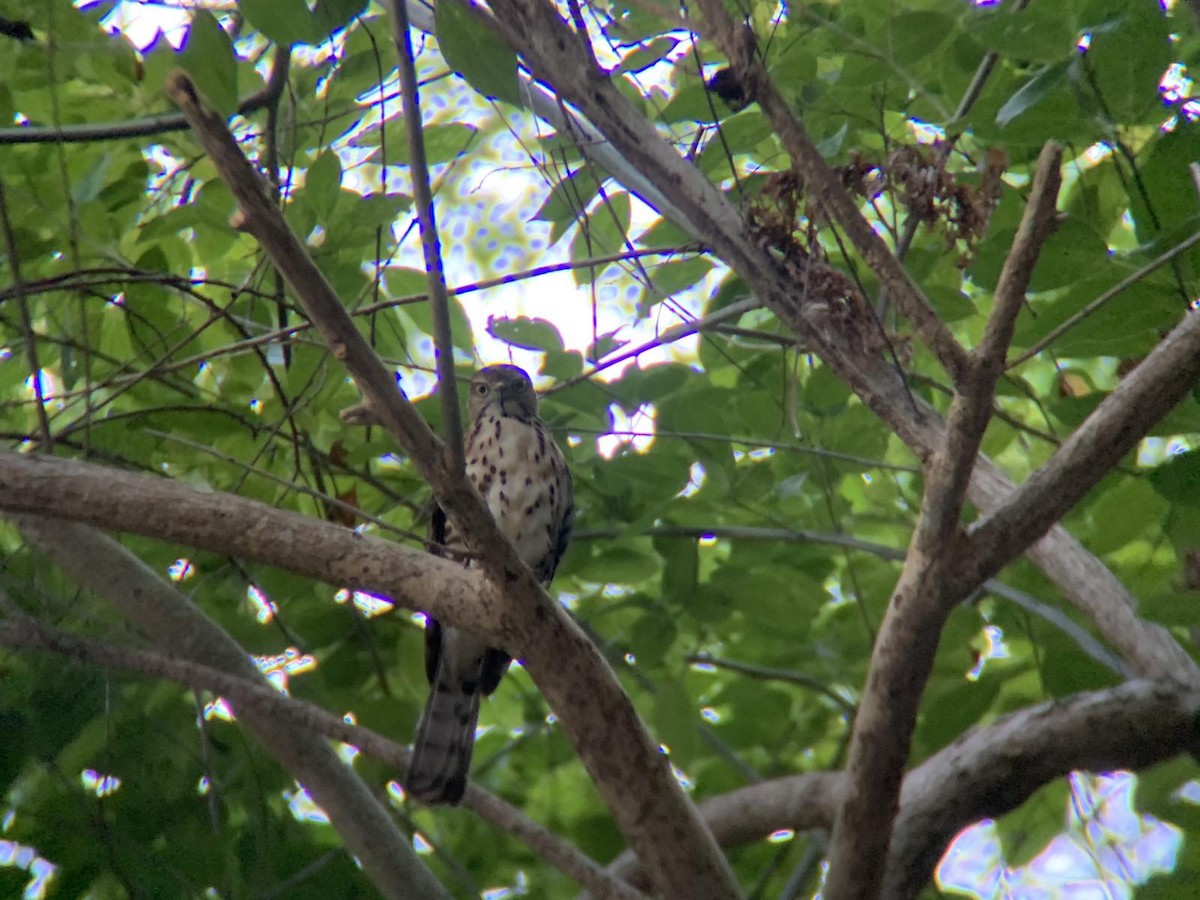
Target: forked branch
pixel 926 592
pixel 631 773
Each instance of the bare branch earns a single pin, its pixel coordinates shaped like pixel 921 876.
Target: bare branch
pixel 925 594
pixel 1036 226
pixel 246 529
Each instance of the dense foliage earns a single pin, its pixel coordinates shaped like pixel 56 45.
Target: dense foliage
pixel 741 514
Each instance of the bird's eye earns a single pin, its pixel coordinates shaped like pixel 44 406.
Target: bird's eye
pixel 481 389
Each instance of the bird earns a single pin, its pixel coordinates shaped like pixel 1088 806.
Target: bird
pixel 522 476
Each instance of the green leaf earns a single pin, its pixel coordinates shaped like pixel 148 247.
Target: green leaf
pixel 526 333
pixel 207 56
pixel 913 36
pixel 441 142
pixel 1122 513
pixel 651 638
pixel 1178 480
pixel 331 15
pixel 1125 62
pixel 644 57
pixel 675 721
pixel 694 103
pixel 605 232
pixel 286 22
pixel 1034 91
pixel 619 561
pixel 681 560
pixel 421 316
pixel 471 50
pixel 567 200
pixel 951 304
pixel 672 277
pixel 945 715
pixel 1031 33
pixel 323 185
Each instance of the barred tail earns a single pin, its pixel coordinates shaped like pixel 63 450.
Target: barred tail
pixel 441 757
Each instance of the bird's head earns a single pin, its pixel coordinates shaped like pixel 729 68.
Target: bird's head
pixel 508 387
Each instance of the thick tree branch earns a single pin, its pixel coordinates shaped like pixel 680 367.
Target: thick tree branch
pixel 841 344
pixel 1121 420
pixel 630 772
pixel 556 56
pixel 233 526
pixel 986 773
pixel 991 771
pixel 925 594
pixel 246 529
pixel 170 620
pixel 266 701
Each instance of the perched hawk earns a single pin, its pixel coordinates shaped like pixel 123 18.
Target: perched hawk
pixel 519 471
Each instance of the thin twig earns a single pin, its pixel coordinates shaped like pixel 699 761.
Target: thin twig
pixel 443 340
pixel 1078 635
pixel 668 336
pixel 1117 289
pixel 90 133
pixel 767 673
pixel 31 355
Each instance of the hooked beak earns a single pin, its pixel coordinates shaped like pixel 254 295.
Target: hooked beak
pixel 510 400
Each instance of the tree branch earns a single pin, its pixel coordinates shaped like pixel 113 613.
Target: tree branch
pixel 443 342
pixel 842 343
pixel 1113 429
pixel 266 701
pixel 170 620
pixel 738 44
pixel 630 772
pixel 246 529
pixel 925 594
pixel 986 773
pixel 149 126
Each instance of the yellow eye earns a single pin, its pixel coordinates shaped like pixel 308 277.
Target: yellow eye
pixel 481 389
